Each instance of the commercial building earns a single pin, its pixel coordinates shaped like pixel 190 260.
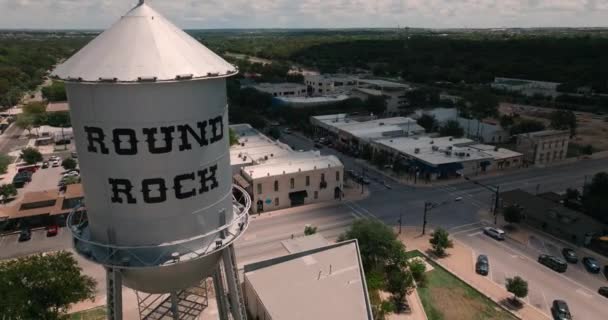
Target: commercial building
pixel 330 83
pixel 277 177
pixel 527 87
pixel 308 102
pixel 282 89
pixel 320 283
pixel 393 92
pixel 502 158
pixel 554 218
pixel 543 147
pixel 485 131
pixel 353 134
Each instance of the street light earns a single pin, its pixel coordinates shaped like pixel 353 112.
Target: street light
pixel 495 190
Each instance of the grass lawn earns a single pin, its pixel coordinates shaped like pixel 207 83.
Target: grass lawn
pixel 446 297
pixel 92 314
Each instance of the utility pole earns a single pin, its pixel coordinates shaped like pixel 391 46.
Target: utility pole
pixel 400 221
pixel 362 178
pixel 496 204
pixel 427 205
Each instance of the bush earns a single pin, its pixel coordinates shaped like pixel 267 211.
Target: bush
pixel 517 286
pixel 69 164
pixel 512 214
pixel 440 241
pixel 31 155
pixel 309 230
pixel 4 162
pixel 418 269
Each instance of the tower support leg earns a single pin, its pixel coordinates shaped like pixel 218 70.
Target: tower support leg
pixel 114 293
pixel 175 305
pixel 220 293
pixel 237 303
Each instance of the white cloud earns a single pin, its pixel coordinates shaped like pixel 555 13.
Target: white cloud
pixel 311 13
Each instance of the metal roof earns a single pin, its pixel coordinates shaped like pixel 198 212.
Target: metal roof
pixel 143 46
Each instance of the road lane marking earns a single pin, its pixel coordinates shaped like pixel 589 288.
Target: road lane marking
pixel 582 292
pixel 474 234
pixel 463 226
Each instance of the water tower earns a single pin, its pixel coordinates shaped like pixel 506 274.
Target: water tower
pixel 149 112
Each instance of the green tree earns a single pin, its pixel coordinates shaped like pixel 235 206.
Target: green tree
pixel 309 230
pixel 428 122
pixel 69 164
pixel 31 155
pixel 451 128
pixel 34 108
pixel 7 191
pixel 506 122
pixel 517 286
pixel 376 104
pixel 55 92
pixel 587 150
pixel 71 180
pixel 58 119
pixel 482 104
pixel 275 133
pixel 572 194
pixel 5 160
pixel 527 126
pixel 25 122
pixel 43 286
pixel 418 269
pixel 595 201
pixel 564 120
pixel 440 241
pixel 234 138
pixel 378 244
pixel 512 214
pixel 399 283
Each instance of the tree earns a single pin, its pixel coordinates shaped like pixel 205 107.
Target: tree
pixel 595 201
pixel 517 286
pixel 34 108
pixel 399 282
pixel 564 120
pixel 527 126
pixel 376 104
pixel 482 104
pixel 43 286
pixel 451 128
pixel 512 214
pixel 378 244
pixel 428 122
pixel 55 92
pixel 275 133
pixel 71 180
pixel 587 150
pixel 440 240
pixel 418 269
pixel 69 164
pixel 5 160
pixel 234 138
pixel 309 230
pixel 7 191
pixel 58 119
pixel 31 155
pixel 25 122
pixel 506 121
pixel 572 194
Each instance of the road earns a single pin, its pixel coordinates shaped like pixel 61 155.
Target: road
pixel 263 238
pixel 11 139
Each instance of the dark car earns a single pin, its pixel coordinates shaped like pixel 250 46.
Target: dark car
pixel 45 165
pixel 552 262
pixel 606 272
pixel 482 266
pixel 560 310
pixel 569 255
pixel 591 264
pixel 603 291
pixel 52 231
pixel 25 235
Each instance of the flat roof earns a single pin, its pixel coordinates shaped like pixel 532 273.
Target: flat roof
pixel 53 198
pixel 546 133
pixel 295 162
pixel 371 92
pixel 384 83
pixel 305 243
pixel 313 100
pixel 497 153
pixel 373 129
pixel 254 146
pixel 441 154
pixel 322 283
pixel 277 86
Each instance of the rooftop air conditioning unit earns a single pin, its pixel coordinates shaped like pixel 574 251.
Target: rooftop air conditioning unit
pixel 448 153
pixel 451 139
pixel 450 148
pixel 435 148
pixel 381 123
pixel 417 150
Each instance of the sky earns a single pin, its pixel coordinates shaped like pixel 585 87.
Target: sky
pixel 219 14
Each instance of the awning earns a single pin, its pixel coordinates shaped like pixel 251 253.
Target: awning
pixel 298 195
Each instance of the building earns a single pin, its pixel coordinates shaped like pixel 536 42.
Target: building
pixel 321 283
pixel 277 177
pixel 43 208
pixel 329 84
pixel 527 87
pixel 554 218
pixel 353 134
pixel 437 158
pixel 308 102
pixel 485 131
pixel 441 115
pixel 502 158
pixel 282 89
pixel 393 92
pixel 543 147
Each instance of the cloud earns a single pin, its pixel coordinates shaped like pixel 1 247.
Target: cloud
pixel 97 14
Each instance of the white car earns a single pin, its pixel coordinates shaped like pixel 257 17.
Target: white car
pixel 494 233
pixel 53 158
pixel 55 163
pixel 71 174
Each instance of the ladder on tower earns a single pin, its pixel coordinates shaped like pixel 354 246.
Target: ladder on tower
pixel 232 275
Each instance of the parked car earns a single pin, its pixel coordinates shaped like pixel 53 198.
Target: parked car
pixel 569 255
pixel 603 291
pixel 74 155
pixel 25 235
pixel 560 310
pixel 591 264
pixel 53 158
pixel 55 163
pixel 71 174
pixel 606 272
pixel 552 262
pixel 482 266
pixel 52 231
pixel 287 131
pixel 494 233
pixel 365 181
pixel 45 164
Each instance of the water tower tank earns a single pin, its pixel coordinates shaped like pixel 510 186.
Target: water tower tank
pixel 148 107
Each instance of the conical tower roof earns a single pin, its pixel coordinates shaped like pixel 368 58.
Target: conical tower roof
pixel 143 46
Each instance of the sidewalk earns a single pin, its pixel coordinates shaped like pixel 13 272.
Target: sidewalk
pixel 460 263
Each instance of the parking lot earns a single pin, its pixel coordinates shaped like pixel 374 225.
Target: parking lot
pixel 10 247
pixel 510 258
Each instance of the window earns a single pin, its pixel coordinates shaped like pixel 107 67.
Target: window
pixel 316 194
pixel 292 183
pixel 307 181
pixel 338 176
pixel 548 156
pixel 544 144
pixel 542 157
pixel 276 202
pixel 563 142
pixel 259 188
pixel 276 186
pixel 322 177
pixel 555 155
